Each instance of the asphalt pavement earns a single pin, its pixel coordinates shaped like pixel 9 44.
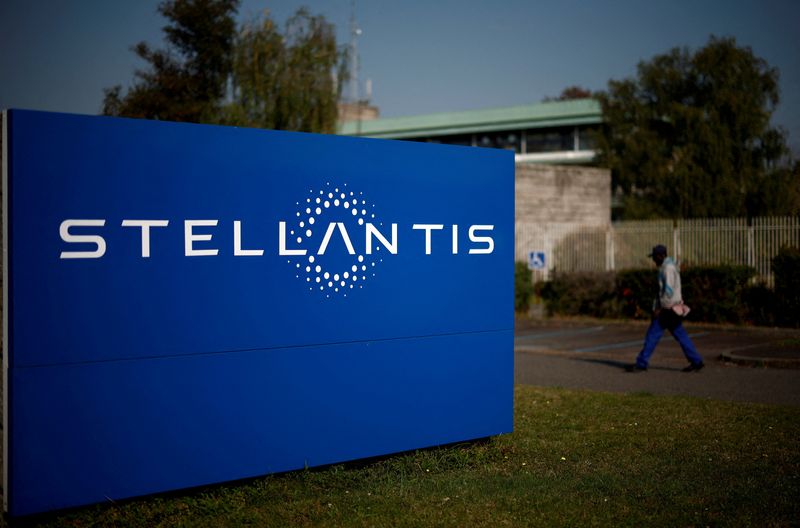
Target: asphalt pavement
pixel 760 365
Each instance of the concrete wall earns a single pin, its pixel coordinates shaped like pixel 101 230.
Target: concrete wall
pixel 554 202
pixel 562 194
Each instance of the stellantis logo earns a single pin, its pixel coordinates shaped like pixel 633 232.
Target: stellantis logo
pixel 319 241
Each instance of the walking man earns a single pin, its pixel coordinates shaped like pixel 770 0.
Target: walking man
pixel 668 309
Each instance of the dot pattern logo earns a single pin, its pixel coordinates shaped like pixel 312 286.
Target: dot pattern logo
pixel 317 227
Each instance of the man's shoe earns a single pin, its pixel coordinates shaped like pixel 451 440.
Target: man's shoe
pixel 694 367
pixel 635 369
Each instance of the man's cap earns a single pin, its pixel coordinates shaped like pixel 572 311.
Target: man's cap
pixel 658 250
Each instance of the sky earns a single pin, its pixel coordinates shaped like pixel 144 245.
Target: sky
pixel 422 56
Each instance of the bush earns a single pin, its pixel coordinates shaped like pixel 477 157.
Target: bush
pixel 760 302
pixel 786 269
pixel 581 293
pixel 523 287
pixel 716 293
pixel 637 290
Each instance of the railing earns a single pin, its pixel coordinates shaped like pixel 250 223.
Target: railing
pixel 624 245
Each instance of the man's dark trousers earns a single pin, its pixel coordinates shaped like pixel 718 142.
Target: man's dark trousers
pixel 667 320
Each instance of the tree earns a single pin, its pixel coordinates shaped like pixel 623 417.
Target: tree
pixel 289 81
pixel 690 136
pixel 186 81
pixel 284 81
pixel 571 93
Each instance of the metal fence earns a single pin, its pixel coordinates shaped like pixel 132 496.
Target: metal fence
pixel 625 245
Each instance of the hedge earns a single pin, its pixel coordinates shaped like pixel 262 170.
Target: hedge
pixel 716 294
pixel 581 293
pixel 523 287
pixel 786 270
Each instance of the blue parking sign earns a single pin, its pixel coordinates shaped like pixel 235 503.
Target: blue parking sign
pixel 536 260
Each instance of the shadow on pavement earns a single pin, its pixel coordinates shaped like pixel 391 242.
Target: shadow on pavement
pixel 622 365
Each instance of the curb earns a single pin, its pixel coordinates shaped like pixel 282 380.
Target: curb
pixel 786 363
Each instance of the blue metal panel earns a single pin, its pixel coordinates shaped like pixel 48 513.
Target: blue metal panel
pixel 131 375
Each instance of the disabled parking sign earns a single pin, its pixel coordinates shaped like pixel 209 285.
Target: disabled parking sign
pixel 536 260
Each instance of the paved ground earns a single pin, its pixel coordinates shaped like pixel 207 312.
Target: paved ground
pixel 742 364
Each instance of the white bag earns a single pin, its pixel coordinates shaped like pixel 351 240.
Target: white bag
pixel 681 309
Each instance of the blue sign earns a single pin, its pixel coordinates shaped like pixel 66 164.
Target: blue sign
pixel 190 304
pixel 536 260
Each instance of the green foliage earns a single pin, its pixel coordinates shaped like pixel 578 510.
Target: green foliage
pixel 570 93
pixel 760 302
pixel 523 287
pixel 187 80
pixel 716 293
pixel 786 269
pixel 281 80
pixel 637 290
pixel 777 192
pixel 690 136
pixel 581 293
pixel 286 81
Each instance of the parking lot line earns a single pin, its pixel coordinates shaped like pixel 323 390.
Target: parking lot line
pixel 625 344
pixel 559 333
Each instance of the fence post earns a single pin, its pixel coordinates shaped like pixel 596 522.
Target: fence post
pixel 548 255
pixel 610 249
pixel 676 240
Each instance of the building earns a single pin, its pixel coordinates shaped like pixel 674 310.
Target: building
pixel 360 111
pixel 556 185
pixel 558 132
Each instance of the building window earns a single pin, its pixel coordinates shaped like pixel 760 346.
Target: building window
pixel 507 140
pixel 539 140
pixel 464 140
pixel 587 138
pixel 550 140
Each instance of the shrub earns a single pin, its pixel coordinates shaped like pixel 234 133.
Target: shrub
pixel 636 290
pixel 523 287
pixel 786 269
pixel 581 293
pixel 715 293
pixel 760 302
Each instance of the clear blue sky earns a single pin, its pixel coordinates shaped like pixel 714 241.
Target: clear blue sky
pixel 422 56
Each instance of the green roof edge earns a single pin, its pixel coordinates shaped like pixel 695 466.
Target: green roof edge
pixel 558 113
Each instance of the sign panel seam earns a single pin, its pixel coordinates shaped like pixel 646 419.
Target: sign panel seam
pixel 259 349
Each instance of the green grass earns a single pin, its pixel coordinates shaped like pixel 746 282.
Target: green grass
pixel 576 458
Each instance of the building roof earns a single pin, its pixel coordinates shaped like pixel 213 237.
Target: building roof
pixel 541 115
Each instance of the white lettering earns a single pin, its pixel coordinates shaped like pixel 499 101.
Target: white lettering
pixel 69 238
pixel 372 230
pixel 481 239
pixel 145 225
pixel 428 228
pixel 237 243
pixel 326 239
pixel 190 238
pixel 282 242
pixel 479 235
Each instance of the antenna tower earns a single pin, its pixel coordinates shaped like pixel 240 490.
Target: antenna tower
pixel 355 32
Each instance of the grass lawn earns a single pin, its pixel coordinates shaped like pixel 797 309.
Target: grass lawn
pixel 576 458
